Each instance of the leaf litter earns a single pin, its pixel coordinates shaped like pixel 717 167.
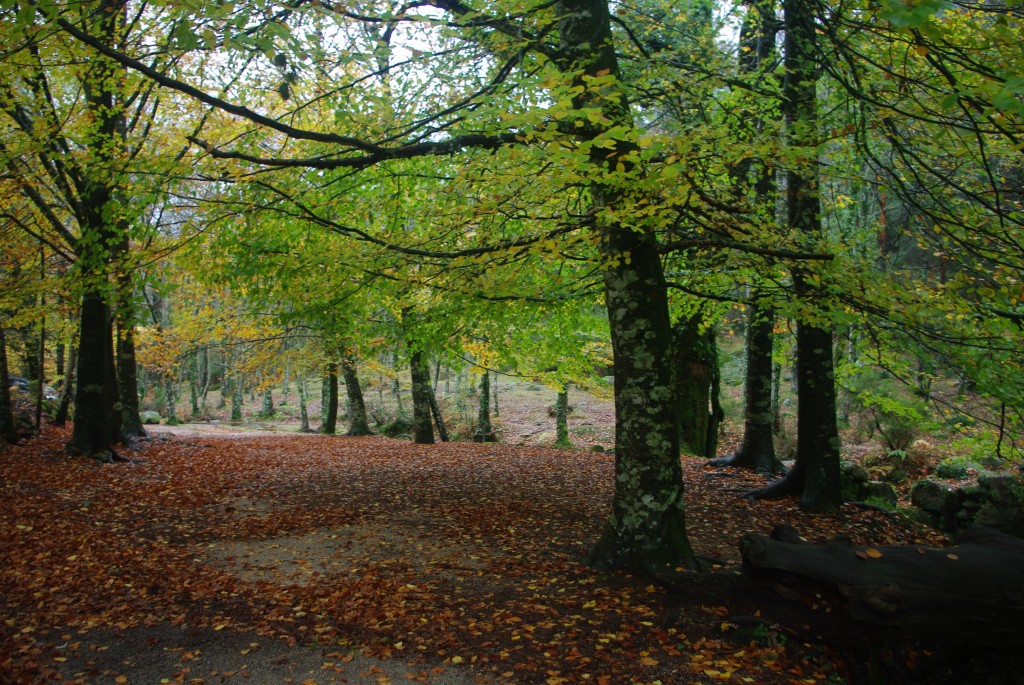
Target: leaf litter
pixel 380 560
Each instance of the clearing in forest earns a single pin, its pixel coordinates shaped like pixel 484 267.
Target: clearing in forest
pixel 277 558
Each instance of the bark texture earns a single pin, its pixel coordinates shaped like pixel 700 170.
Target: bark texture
pixel 419 372
pixel 357 421
pixel 646 530
pixel 8 431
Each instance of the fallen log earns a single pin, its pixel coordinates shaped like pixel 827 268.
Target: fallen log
pixel 973 592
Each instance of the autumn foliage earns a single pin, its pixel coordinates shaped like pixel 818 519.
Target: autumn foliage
pixel 457 558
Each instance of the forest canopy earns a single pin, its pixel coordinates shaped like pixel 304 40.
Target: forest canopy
pixel 565 190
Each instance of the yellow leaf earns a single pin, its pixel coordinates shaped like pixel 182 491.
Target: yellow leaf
pixel 873 553
pixel 952 556
pixel 121 679
pixel 648 661
pixel 457 659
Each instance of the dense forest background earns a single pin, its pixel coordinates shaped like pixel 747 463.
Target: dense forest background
pixel 220 200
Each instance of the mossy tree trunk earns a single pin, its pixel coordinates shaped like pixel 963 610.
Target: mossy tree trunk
pixel 562 419
pixel 484 431
pixel 646 530
pixel 358 424
pixel 300 387
pixel 697 384
pixel 419 373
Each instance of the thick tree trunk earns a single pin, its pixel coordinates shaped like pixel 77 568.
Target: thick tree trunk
pixel 757 450
pixel 562 419
pixel 97 424
pixel 419 372
pixel 8 431
pixel 101 220
pixel 484 432
pixel 267 406
pixel 357 421
pixel 646 530
pixel 329 424
pixel 695 363
pixel 967 593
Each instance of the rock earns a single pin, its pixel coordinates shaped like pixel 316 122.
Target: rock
pixel 855 472
pixel 876 489
pixel 149 417
pixel 1003 489
pixel 933 496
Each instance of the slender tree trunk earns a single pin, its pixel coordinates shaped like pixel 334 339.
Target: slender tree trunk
pixel 237 388
pixel 562 419
pixel 8 431
pixel 329 424
pixel 419 372
pixel 67 391
pixel 300 386
pixel 484 432
pixel 646 530
pixel 41 376
pixel 171 397
pixel 435 411
pixel 815 475
pixel 494 394
pixel 757 450
pixel 396 388
pixel 358 424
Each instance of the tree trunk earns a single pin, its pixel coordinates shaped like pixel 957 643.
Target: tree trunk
pixel 646 530
pixel 267 408
pixel 695 355
pixel 8 431
pixel 97 424
pixel 128 376
pixel 562 419
pixel 484 432
pixel 358 424
pixel 419 372
pixel 757 450
pixel 67 390
pixel 329 410
pixel 300 386
pixel 967 593
pixel 435 411
pixel 171 397
pixel 237 392
pixel 815 475
pixel 98 421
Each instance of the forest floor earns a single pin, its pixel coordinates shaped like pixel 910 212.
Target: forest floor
pixel 228 555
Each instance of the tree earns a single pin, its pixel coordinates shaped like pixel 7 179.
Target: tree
pixel 8 431
pixel 815 474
